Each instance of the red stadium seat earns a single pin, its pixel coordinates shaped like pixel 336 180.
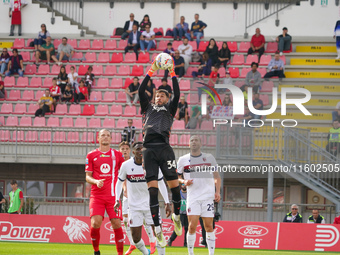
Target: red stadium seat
pixel 265 59
pixel 84 44
pixel 138 123
pixel 9 81
pixel 73 43
pixel 232 46
pixel 72 137
pixel 4 135
pixel 47 82
pixel 109 96
pixel 207 125
pixel 130 58
pixel 39 122
pixel 121 97
pixel 163 45
pixel 244 72
pixel 88 110
pixel 39 94
pixel 59 137
pixel 114 34
pixel 154 55
pixel 55 70
pixel 32 108
pixel 283 58
pixel 19 109
pixel 219 45
pixel 2 120
pixel 173 139
pixel 94 123
pixel 19 43
pixel 18 136
pixel 262 71
pixel 82 70
pixel 239 84
pixel 110 45
pixel 102 83
pixel 14 95
pixel 221 72
pixel 122 44
pixel 28 44
pixel 28 95
pixel 104 57
pixel 96 96
pixel 30 69
pixel 175 45
pixel 168 36
pixel 56 43
pixel 130 111
pixel 137 70
pixel 80 123
pixel 45 137
pixel 127 82
pixel 87 137
pixel 90 57
pixel 251 58
pixel 75 58
pixel 272 47
pixel 122 123
pixel 116 110
pixel 290 50
pixel 108 123
pixel 97 44
pixel 110 70
pixel 184 85
pixel 143 58
pixel 98 70
pixel 184 140
pixel 194 45
pixel 189 71
pixel 244 47
pixel 6 108
pixel 67 122
pixel 116 83
pixel 102 110
pixel 178 125
pixel 264 99
pixel 267 86
pixel 53 122
pixel 123 70
pixel 203 46
pixel 61 109
pixel 31 137
pixel 35 82
pixel 68 68
pixel 234 72
pixel 74 109
pixel 25 56
pixel 12 121
pixel 211 141
pixel 117 58
pixel 160 29
pixel 43 70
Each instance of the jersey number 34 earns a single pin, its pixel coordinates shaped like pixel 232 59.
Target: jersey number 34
pixel 171 164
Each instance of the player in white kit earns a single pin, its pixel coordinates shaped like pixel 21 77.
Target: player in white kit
pixel 197 171
pixel 138 196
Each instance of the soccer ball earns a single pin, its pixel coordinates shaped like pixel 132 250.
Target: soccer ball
pixel 164 61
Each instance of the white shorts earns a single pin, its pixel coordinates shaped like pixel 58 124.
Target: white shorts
pixel 140 217
pixel 125 205
pixel 203 208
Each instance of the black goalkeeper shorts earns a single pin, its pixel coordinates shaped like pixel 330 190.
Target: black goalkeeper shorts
pixel 162 157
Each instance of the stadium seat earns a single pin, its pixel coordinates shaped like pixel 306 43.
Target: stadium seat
pixel 32 108
pixel 221 72
pixel 26 56
pixel 207 125
pixel 123 70
pixel 102 83
pixel 110 45
pixel 110 70
pixel 59 137
pixel 232 46
pixel 175 45
pixel 194 45
pixel 189 71
pixel 2 120
pixel 184 139
pixel 239 84
pixel 55 70
pixel 104 57
pixel 19 109
pixel 56 43
pixel 283 58
pixel 94 123
pixel 244 72
pixel 130 58
pixel 203 46
pixel 252 58
pixel 74 109
pixel 211 140
pixel 12 121
pixel 173 139
pixel 68 68
pixel 90 57
pixel 154 55
pixel 262 71
pixel 45 137
pixel 31 137
pixel 178 125
pixel 72 137
pixel 19 43
pixel 244 47
pixel 14 95
pixel 122 44
pixel 76 57
pixel 122 123
pixel 39 122
pixel 162 45
pixel 267 86
pixel 272 47
pixel 43 70
pixel 264 99
pixel 18 136
pixel 117 58
pixel 88 110
pixel 98 70
pixel 143 58
pixel 265 59
pixel 84 44
pixel 30 69
pixel 168 36
pixel 219 45
pixel 80 123
pixel 138 70
pixel 109 96
pixel 193 99
pixel 28 44
pixel 184 85
pixel 82 70
pixel 116 83
pixel 38 95
pixel 97 44
pixel 158 30
pixel 96 96
pixel 28 95
pixel 130 111
pixel 47 82
pixel 121 97
pixel 234 72
pixel 35 82
pixel 87 137
pixel 116 110
pixel 127 82
pixel 108 123
pixel 6 108
pixel 53 122
pixel 9 81
pixel 4 135
pixel 102 110
pixel 73 43
pixel 67 122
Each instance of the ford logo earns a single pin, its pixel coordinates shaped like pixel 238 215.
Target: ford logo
pixel 253 231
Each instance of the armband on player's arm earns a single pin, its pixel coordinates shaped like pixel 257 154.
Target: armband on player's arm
pixel 118 189
pixel 164 191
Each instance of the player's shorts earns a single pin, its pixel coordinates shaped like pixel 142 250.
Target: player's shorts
pixel 138 217
pixel 98 206
pixel 203 208
pixel 125 206
pixel 162 157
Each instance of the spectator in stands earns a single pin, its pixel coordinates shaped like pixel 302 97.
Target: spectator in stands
pixel 197 28
pixel 257 43
pixel 179 66
pixel 129 133
pixel 337 220
pixel 258 105
pixel 316 217
pixel 228 80
pixel 147 39
pixel 333 137
pixel 65 51
pixel 83 93
pixel 284 41
pixel 132 92
pixel 62 79
pixel 15 64
pixel 185 50
pixel 2 201
pixel 68 94
pixel 227 101
pixel 337 37
pixel 196 117
pixel 204 68
pixel 42 36
pixel 46 52
pixel 73 79
pixel 89 79
pixel 16 199
pixel 180 29
pixel 151 91
pixel 45 104
pixel 248 115
pixel 2 89
pixel 166 86
pixel 15 13
pixel 134 40
pixel 4 59
pixel 55 92
pixel 275 67
pixel 224 55
pixel 294 216
pixel 253 77
pixel 214 75
pixel 146 21
pixel 212 51
pixel 128 26
pixel 169 49
pixel 336 112
pixel 182 111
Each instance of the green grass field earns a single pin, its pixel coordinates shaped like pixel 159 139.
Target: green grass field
pixel 16 248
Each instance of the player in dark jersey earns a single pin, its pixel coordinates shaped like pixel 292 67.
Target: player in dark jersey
pixel 157 153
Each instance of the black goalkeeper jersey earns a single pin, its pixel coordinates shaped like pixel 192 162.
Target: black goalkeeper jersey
pixel 157 120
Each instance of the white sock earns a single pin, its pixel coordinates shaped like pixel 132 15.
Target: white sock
pixel 210 237
pixel 128 230
pixel 149 232
pixel 158 229
pixel 161 250
pixel 141 246
pixel 191 238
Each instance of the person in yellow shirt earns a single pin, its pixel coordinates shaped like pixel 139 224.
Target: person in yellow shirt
pixel 45 104
pixel 333 145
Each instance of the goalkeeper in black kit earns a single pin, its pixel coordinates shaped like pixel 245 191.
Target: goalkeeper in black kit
pixel 157 153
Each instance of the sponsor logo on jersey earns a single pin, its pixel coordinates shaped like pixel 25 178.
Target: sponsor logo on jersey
pixel 75 229
pixel 104 156
pixel 159 108
pixel 136 178
pixel 8 232
pixel 253 231
pixel 105 168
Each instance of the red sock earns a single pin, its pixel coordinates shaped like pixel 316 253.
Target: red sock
pixel 95 237
pixel 119 239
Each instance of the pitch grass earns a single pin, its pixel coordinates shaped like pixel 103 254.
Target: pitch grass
pixel 18 248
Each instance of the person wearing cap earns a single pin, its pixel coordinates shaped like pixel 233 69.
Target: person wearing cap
pixel 182 111
pixel 284 41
